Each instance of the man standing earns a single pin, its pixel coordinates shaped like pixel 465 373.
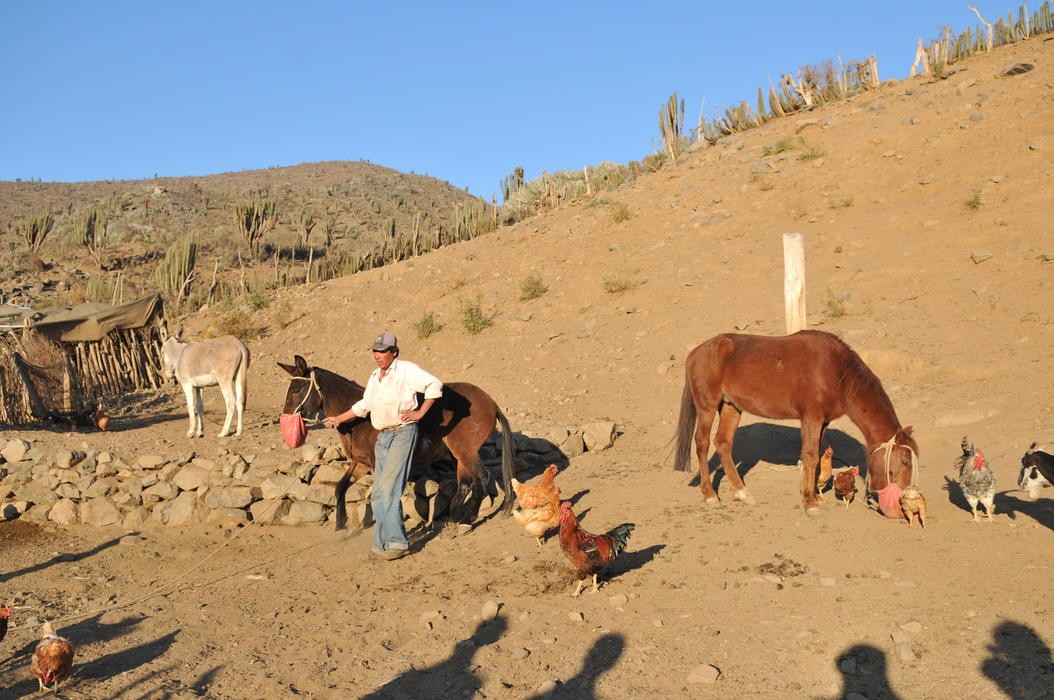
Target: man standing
pixel 390 400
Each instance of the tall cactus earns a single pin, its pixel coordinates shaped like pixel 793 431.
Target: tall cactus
pixel 671 126
pixel 176 271
pixel 86 230
pixel 35 229
pixel 254 218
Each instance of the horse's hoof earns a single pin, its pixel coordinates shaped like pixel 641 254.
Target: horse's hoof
pixel 712 501
pixel 745 497
pixel 814 512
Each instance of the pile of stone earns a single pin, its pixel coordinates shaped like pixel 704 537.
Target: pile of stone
pixel 294 487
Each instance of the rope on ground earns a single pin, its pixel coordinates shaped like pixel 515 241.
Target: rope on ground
pixel 170 587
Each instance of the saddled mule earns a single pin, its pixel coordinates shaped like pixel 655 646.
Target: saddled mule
pixel 456 426
pixel 811 376
pixel 219 361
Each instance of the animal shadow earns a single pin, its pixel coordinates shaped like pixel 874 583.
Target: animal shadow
pixel 1041 510
pixel 601 657
pixel 781 444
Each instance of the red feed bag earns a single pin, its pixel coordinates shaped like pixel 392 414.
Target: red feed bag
pixel 294 432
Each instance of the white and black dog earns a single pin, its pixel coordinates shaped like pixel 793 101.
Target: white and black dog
pixel 1037 469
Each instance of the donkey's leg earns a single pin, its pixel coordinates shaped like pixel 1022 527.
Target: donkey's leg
pixel 811 431
pixel 723 442
pixel 702 450
pixel 228 402
pixel 191 393
pixel 239 396
pixel 199 411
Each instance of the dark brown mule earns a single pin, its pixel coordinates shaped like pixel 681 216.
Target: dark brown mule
pixel 456 426
pixel 812 376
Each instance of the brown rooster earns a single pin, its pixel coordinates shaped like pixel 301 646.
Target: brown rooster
pixel 539 509
pixel 5 613
pixel 913 505
pixel 845 484
pixel 52 659
pixel 587 552
pixel 826 460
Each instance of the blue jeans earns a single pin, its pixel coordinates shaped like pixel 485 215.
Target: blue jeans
pixel 393 454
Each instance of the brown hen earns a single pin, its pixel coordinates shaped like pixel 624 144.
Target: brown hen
pixel 589 553
pixel 913 505
pixel 539 509
pixel 845 484
pixel 826 460
pixel 52 659
pixel 5 613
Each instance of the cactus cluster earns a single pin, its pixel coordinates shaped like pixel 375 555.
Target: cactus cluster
pixel 175 272
pixel 254 218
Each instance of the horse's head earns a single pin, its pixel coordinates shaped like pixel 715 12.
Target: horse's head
pixel 894 461
pixel 303 395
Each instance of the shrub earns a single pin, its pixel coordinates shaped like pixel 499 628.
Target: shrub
pixel 238 323
pixel 532 287
pixel 833 307
pixel 975 201
pixel 621 282
pixel 620 212
pixel 427 326
pixel 473 318
pixel 843 203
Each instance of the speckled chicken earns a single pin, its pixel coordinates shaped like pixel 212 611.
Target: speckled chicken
pixel 845 484
pixel 977 480
pixel 913 505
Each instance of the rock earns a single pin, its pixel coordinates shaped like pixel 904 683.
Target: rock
pixel 229 497
pixel 99 512
pixel 599 435
pixel 304 513
pixel 490 611
pixel 64 512
pixel 149 461
pixel 576 617
pixel 35 492
pixel 228 517
pixel 617 600
pixel 101 487
pixel 911 627
pixel 269 512
pixel 162 490
pixel 328 475
pixel 65 459
pixel 15 450
pixel 979 257
pixel 183 510
pixel 203 463
pixel 136 518
pixel 11 510
pixel 190 477
pixel 519 653
pixel 704 673
pixel 546 688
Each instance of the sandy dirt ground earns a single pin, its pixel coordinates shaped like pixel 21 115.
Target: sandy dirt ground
pixel 925 208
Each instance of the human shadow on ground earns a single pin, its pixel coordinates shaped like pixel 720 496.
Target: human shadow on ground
pixel 1041 510
pixel 454 677
pixel 864 673
pixel 600 658
pixel 64 558
pixel 1019 661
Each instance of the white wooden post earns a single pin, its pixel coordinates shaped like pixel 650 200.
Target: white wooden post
pixel 794 281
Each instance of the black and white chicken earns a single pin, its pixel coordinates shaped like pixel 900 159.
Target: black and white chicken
pixel 976 479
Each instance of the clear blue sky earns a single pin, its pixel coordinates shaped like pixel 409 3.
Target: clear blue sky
pixel 461 91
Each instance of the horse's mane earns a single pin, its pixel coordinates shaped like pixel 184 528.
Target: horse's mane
pixel 859 381
pixel 330 375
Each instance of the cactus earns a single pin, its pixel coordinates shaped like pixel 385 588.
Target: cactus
pixel 176 271
pixel 254 218
pixel 36 229
pixel 671 126
pixel 87 232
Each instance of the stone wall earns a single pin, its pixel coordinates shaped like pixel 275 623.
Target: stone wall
pixel 287 487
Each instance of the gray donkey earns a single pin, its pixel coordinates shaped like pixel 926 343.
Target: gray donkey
pixel 220 361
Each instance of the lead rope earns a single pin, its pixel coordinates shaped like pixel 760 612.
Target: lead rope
pixel 314 385
pixel 888 446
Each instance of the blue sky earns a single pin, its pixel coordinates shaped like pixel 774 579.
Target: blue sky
pixel 461 91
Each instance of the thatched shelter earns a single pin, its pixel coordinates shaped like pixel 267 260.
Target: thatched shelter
pixel 58 363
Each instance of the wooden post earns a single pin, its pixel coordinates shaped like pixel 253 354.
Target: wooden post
pixel 794 281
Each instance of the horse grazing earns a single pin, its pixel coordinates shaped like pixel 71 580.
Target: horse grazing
pixel 811 376
pixel 220 361
pixel 456 426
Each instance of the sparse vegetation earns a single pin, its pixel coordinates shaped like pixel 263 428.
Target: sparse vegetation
pixel 812 152
pixel 254 218
pixel 840 203
pixel 620 212
pixel 974 202
pixel 781 146
pixel 833 306
pixel 239 323
pixel 532 287
pixel 426 326
pixel 621 282
pixel 473 317
pixel 35 229
pixel 671 126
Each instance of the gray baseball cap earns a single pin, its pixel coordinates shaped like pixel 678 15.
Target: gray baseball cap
pixel 383 341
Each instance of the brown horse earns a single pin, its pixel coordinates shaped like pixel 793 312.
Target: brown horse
pixel 812 376
pixel 456 426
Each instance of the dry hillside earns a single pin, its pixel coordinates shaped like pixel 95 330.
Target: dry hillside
pixel 925 210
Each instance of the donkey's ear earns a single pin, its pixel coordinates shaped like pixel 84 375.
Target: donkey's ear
pixel 301 363
pixel 291 369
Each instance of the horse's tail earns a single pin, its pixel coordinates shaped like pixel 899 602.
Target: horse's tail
pixel 242 377
pixel 682 454
pixel 507 455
